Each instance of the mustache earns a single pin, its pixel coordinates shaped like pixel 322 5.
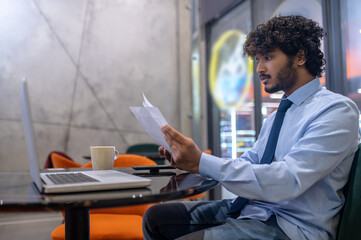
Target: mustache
pixel 264 75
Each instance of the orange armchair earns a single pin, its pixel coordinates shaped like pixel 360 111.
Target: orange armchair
pixel 115 223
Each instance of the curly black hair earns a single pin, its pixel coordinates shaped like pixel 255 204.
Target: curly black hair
pixel 290 34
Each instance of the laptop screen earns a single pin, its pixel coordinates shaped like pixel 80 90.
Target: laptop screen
pixel 29 135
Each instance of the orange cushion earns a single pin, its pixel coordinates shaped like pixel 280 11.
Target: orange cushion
pixel 129 210
pixel 208 151
pixel 108 226
pixel 196 197
pixel 136 210
pixel 87 165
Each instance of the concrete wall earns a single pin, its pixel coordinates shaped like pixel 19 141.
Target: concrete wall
pixel 86 62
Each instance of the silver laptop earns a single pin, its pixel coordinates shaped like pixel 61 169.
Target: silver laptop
pixel 65 182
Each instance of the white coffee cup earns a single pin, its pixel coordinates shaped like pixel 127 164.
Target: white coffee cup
pixel 102 157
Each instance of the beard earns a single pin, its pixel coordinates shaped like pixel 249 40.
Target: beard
pixel 285 79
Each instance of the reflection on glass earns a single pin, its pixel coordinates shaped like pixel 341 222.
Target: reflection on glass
pixel 185 181
pixel 351 23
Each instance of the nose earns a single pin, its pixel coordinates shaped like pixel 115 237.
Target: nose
pixel 260 67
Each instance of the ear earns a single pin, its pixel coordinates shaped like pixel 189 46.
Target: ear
pixel 301 57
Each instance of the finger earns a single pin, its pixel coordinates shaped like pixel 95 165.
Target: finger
pixel 168 141
pixel 163 152
pixel 168 156
pixel 173 164
pixel 160 150
pixel 174 134
pixel 173 146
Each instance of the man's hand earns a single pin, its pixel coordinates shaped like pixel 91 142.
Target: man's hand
pixel 186 154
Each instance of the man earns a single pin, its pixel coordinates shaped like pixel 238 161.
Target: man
pixel 297 194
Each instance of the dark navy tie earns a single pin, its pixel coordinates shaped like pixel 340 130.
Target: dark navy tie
pixel 269 152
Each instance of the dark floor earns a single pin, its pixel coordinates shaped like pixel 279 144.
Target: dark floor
pixel 19 226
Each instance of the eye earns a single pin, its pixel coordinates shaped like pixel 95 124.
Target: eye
pixel 256 60
pixel 267 58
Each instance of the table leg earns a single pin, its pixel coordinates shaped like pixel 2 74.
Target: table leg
pixel 77 224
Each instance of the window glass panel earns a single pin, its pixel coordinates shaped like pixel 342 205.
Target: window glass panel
pixel 230 81
pixel 351 26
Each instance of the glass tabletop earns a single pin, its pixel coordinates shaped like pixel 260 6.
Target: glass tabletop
pixel 18 192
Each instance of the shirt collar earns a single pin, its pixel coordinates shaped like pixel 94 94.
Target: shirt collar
pixel 304 92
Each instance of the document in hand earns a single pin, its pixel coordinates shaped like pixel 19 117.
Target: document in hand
pixel 152 120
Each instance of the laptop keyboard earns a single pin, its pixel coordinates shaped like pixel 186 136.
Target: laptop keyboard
pixel 66 178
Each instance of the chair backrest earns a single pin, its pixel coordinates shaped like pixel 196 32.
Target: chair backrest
pixel 350 223
pixel 61 161
pixel 128 160
pixel 143 147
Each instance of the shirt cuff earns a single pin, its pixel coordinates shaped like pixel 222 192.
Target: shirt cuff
pixel 209 166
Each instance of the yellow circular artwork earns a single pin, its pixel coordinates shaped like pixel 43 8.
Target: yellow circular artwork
pixel 230 72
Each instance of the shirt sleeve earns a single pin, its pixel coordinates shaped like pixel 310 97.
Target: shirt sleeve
pixel 328 138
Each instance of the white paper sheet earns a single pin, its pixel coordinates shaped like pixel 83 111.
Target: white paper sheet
pixel 152 120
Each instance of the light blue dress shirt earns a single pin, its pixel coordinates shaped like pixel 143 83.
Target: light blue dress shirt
pixel 314 153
